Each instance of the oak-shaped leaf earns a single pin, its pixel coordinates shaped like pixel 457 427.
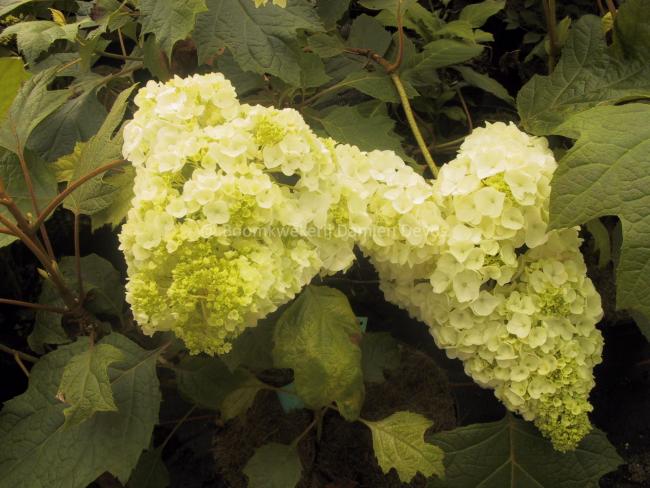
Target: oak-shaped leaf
pixel 317 336
pixel 36 451
pixel 12 76
pixel 590 72
pixel 103 148
pixel 513 453
pixel 260 39
pixel 169 20
pixel 398 442
pixel 78 119
pixel 607 172
pixel 37 36
pixel 85 385
pixel 33 103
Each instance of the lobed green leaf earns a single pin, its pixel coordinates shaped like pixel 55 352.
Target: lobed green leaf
pixel 398 442
pixel 85 384
pixel 12 76
pixel 512 453
pixel 589 73
pixel 607 172
pixel 315 338
pixel 35 450
pixel 260 39
pixel 170 20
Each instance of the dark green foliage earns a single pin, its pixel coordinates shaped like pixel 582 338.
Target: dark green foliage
pixel 68 73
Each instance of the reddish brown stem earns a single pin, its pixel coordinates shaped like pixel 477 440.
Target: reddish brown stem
pixel 36 306
pixel 15 212
pixel 77 256
pixel 32 195
pixel 383 62
pixel 49 265
pixel 20 218
pixel 72 187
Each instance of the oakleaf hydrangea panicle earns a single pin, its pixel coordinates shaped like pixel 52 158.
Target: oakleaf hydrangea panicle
pixel 501 292
pixel 235 210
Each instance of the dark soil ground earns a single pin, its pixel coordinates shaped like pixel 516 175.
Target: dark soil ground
pixel 343 457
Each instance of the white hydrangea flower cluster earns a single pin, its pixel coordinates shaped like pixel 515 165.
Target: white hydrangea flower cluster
pixel 238 207
pixel 235 210
pixel 499 291
pixel 402 220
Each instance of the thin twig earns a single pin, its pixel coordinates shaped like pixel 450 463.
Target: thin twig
pixel 383 62
pixel 119 56
pixel 601 8
pixel 470 125
pixel 413 124
pixel 36 306
pixel 443 146
pixel 122 46
pixel 400 41
pixel 49 265
pixel 20 364
pixel 123 72
pixel 19 217
pixel 311 425
pixel 56 201
pixel 13 209
pixel 551 21
pixel 611 7
pixel 176 427
pixel 4 230
pixel 320 94
pixel 77 256
pixel 27 240
pixel 389 67
pixel 32 193
pixel 23 355
pixel 401 91
pixel 67 65
pixel 26 174
pixel 189 419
